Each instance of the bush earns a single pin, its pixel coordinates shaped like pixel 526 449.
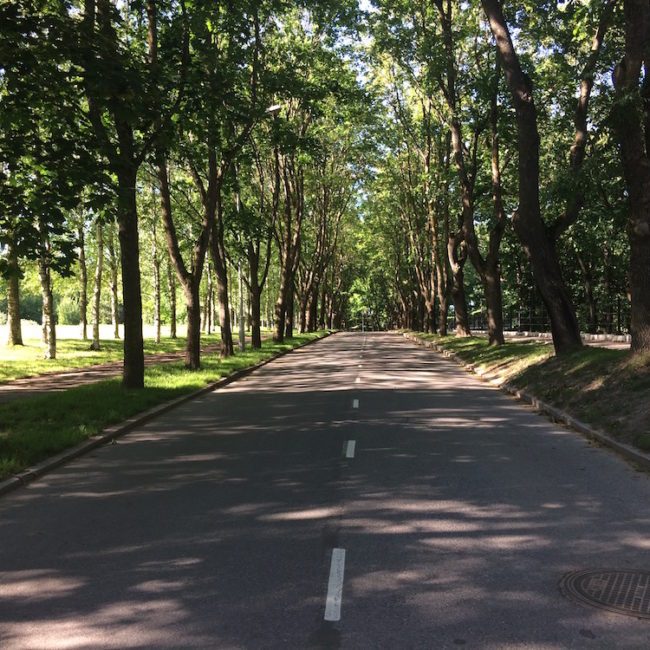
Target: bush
pixel 31 307
pixel 68 312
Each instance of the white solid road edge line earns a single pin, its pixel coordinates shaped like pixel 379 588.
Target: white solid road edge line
pixel 335 586
pixel 349 448
pixel 355 403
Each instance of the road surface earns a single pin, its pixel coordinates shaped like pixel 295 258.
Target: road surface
pixel 361 480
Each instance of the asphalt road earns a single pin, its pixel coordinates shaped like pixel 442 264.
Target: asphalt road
pixel 453 518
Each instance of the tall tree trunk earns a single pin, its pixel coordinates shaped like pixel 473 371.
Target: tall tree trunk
pixel 220 265
pixel 460 302
pixel 189 280
pixel 225 324
pixel 494 304
pixel 97 286
pixel 256 333
pixel 457 258
pixel 281 304
pixel 221 276
pixel 193 310
pixel 490 267
pixel 120 147
pixel 14 329
pixel 171 286
pixel 302 309
pixel 527 221
pixel 290 311
pixel 83 289
pixel 608 290
pixel 208 307
pixel 443 307
pixel 633 127
pixel 133 376
pixel 156 287
pixel 255 297
pixel 49 316
pixel 312 313
pixel 588 283
pixel 114 283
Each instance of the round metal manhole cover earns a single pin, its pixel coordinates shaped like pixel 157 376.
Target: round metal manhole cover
pixel 622 592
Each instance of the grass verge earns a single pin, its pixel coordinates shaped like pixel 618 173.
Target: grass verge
pixel 34 428
pixel 21 361
pixel 605 388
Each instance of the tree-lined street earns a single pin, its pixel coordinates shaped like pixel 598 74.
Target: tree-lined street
pixel 192 191
pixel 458 510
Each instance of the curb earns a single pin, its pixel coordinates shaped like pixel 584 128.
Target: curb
pixel 554 414
pixel 115 431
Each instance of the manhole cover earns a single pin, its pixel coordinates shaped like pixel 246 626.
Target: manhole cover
pixel 623 592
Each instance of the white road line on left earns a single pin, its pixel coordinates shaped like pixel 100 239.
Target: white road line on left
pixel 335 586
pixel 355 403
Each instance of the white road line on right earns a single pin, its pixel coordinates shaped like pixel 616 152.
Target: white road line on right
pixel 335 586
pixel 355 403
pixel 350 446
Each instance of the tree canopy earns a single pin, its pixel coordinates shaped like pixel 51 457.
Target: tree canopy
pixel 427 164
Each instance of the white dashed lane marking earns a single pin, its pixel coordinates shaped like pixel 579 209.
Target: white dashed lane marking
pixel 349 447
pixel 335 586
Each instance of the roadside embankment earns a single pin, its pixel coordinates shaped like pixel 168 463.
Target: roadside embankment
pixel 601 392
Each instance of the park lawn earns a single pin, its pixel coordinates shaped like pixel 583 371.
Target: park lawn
pixel 18 361
pixel 34 428
pixel 608 389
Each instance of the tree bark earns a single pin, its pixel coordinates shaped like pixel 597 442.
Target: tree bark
pixel 227 347
pixel 193 310
pixel 632 113
pixel 97 286
pixel 83 290
pixel 312 312
pixel 120 148
pixel 494 304
pixel 255 295
pixel 527 220
pixel 114 283
pixel 133 376
pixel 457 253
pixel 14 329
pixel 156 286
pixel 290 310
pixel 171 286
pixel 218 253
pixel 49 316
pixel 190 280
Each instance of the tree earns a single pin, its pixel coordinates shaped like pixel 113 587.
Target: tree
pixel 43 164
pixel 632 114
pixel 128 113
pixel 538 240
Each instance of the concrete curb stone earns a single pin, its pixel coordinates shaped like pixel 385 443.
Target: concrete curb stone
pixel 115 431
pixel 630 453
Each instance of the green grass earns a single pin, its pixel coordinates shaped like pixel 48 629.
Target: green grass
pixel 32 429
pixel 27 361
pixel 606 388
